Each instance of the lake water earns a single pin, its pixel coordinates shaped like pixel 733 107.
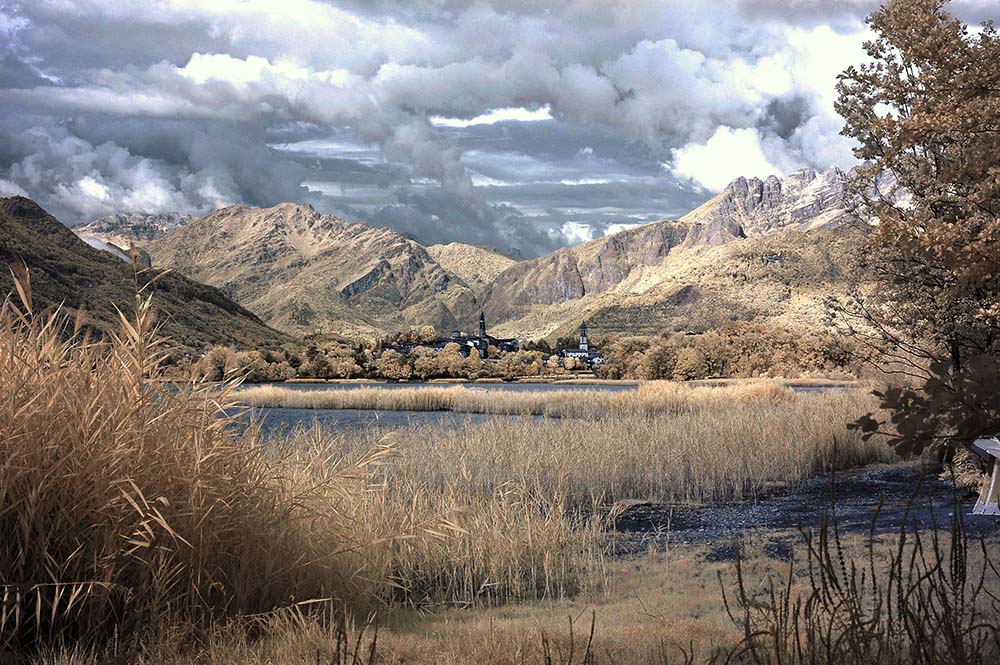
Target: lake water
pixel 276 421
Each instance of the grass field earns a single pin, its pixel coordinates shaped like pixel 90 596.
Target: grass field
pixel 138 526
pixel 713 445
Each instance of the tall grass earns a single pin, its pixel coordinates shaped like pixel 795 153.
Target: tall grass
pixel 128 502
pixel 730 446
pixel 123 501
pixel 650 398
pixel 927 597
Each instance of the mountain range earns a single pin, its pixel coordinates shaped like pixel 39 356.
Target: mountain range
pixel 90 284
pixel 760 249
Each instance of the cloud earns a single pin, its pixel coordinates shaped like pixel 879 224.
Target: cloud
pixel 505 122
pixel 576 233
pixel 8 188
pixel 511 114
pixel 728 154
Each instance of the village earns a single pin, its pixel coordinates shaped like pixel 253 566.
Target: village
pixel 491 349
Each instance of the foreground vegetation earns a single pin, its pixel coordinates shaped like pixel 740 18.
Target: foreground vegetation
pixel 139 521
pixel 130 502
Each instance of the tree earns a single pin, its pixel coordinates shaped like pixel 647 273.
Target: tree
pixel 690 364
pixel 925 112
pixel 658 362
pixel 425 363
pixel 553 365
pixel 450 361
pixel 392 365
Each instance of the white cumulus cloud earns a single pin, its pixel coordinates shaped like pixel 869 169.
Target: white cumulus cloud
pixel 728 154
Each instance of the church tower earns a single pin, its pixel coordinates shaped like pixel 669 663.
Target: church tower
pixel 584 342
pixel 482 326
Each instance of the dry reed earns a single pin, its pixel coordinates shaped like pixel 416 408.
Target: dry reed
pixel 708 445
pixel 650 398
pixel 127 502
pixel 925 597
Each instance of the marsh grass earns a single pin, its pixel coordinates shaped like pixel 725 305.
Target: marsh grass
pixel 697 447
pixel 655 397
pixel 128 502
pixel 927 597
pixel 125 501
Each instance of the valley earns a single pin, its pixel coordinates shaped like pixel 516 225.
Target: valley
pixel 761 250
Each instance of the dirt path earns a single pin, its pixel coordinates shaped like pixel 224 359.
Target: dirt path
pixel 904 492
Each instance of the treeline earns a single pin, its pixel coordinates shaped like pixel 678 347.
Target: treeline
pixel 738 350
pixel 339 361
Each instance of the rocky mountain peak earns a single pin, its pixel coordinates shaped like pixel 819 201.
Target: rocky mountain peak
pixel 305 271
pixel 122 229
pixel 803 200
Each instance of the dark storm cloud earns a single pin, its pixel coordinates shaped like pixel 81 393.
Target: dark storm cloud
pixel 374 110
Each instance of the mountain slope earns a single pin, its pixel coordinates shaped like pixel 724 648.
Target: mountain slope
pixel 64 269
pixel 760 249
pixel 598 266
pixel 121 229
pixel 474 265
pixel 802 201
pixel 303 272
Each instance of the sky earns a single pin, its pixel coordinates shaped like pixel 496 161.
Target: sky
pixel 516 124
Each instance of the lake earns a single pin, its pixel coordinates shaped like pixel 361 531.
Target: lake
pixel 277 421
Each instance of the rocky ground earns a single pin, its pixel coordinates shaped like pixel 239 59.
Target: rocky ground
pixel 888 496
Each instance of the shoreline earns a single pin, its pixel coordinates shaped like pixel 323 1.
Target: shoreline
pixel 796 382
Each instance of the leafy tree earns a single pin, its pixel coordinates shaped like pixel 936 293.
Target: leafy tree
pixel 658 362
pixel 392 365
pixel 450 361
pixel 925 112
pixel 691 364
pixel 425 363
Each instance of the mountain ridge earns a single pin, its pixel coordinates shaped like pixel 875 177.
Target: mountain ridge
pixel 65 271
pixel 303 271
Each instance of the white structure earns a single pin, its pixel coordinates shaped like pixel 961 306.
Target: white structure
pixel 988 503
pixel 583 352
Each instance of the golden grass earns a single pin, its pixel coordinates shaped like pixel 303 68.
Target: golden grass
pixel 666 607
pixel 655 397
pixel 123 499
pixel 666 602
pixel 707 446
pixel 127 501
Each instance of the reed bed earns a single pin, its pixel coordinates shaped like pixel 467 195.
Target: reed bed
pixel 720 450
pixel 650 398
pixel 128 502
